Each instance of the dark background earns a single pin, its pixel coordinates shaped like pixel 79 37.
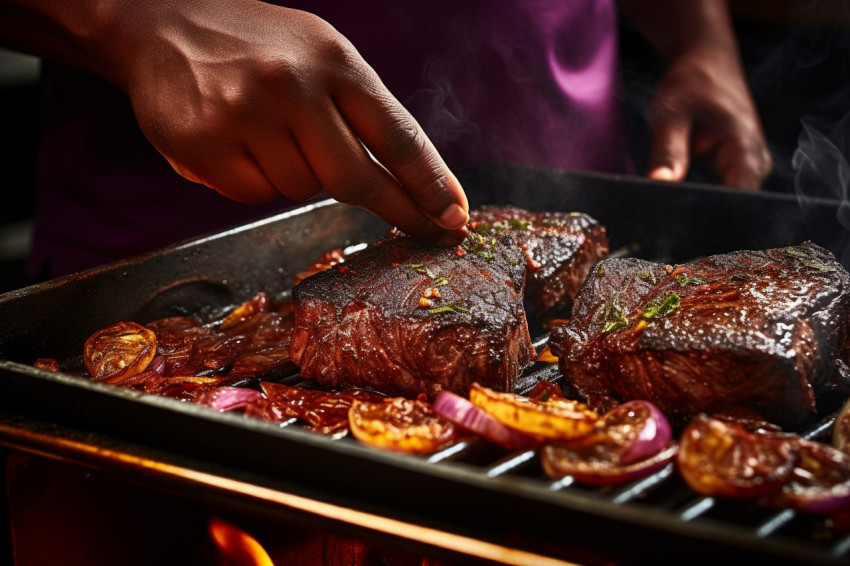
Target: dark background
pixel 796 53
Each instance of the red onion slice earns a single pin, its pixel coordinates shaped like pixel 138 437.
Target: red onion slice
pixel 469 417
pixel 227 398
pixel 654 429
pixel 559 461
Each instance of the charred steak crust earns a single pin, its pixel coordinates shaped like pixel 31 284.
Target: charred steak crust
pixel 560 248
pixel 757 334
pixel 364 323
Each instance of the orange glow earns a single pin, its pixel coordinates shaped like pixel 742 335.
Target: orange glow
pixel 547 356
pixel 240 548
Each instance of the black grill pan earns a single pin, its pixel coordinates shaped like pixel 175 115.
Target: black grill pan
pixel 472 490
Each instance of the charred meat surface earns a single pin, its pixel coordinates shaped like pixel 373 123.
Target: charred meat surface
pixel 404 317
pixel 560 248
pixel 752 334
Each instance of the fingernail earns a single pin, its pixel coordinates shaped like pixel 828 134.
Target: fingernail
pixel 662 174
pixel 454 217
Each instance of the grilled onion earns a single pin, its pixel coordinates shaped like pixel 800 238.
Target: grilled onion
pixel 469 417
pixel 600 467
pixel 400 425
pixel 553 419
pixel 119 351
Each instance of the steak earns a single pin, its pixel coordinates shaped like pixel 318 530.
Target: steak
pixel 751 334
pixel 560 248
pixel 404 317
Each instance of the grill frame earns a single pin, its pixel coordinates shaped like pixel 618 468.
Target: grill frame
pixel 60 415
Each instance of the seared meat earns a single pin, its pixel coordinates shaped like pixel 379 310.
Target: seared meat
pixel 404 317
pixel 560 248
pixel 756 334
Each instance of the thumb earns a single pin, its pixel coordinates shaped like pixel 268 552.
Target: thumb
pixel 669 155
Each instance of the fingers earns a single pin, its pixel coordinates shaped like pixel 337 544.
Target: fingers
pixel 344 167
pixel 741 164
pixel 286 167
pixel 669 155
pixel 400 145
pixel 233 172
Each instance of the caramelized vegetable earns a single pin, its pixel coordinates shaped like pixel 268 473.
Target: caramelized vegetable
pixel 725 459
pixel 323 411
pixel 258 304
pixel 628 442
pixel 119 351
pixel 554 419
pixel 400 425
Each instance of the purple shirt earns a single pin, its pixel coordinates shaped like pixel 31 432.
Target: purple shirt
pixel 510 81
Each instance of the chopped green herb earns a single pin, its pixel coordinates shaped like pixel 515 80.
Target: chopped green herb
pixel 646 275
pixel 477 244
pixel 613 316
pixel 795 252
pixel 822 267
pixel 414 266
pixel 448 308
pixel 600 272
pixel 684 279
pixel 439 282
pixel 669 304
pixel 517 224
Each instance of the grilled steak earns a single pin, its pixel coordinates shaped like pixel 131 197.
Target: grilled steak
pixel 407 318
pixel 560 248
pixel 756 334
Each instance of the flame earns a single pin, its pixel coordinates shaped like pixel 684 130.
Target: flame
pixel 240 548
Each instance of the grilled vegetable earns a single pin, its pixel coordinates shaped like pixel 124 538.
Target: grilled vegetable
pixel 553 419
pixel 119 351
pixel 400 425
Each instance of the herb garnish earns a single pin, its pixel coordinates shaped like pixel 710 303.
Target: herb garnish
pixel 439 282
pixel 822 267
pixel 613 316
pixel 479 245
pixel 448 308
pixel 646 275
pixel 669 304
pixel 600 272
pixel 684 279
pixel 502 226
pixel 518 224
pixel 420 268
pixel 795 252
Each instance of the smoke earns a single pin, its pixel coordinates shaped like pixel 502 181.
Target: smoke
pixel 820 163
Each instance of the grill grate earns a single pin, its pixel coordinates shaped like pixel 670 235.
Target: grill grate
pixel 663 489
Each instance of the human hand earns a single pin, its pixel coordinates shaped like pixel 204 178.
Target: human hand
pixel 702 107
pixel 255 100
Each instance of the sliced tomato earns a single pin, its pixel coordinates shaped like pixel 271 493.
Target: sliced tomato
pixel 400 425
pixel 725 459
pixel 119 351
pixel 554 419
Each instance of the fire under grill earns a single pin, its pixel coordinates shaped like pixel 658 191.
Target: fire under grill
pixel 472 499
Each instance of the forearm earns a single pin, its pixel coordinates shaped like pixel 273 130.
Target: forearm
pixel 680 27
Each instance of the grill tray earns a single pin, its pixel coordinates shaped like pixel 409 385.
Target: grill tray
pixel 471 489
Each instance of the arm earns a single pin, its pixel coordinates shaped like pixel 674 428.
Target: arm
pixel 702 106
pixel 253 100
